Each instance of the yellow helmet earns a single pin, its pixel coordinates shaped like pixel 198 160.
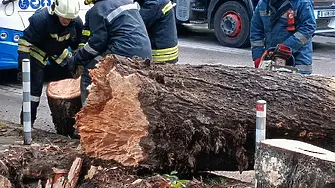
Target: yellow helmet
pixel 65 8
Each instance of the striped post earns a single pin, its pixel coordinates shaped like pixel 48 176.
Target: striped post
pixel 260 121
pixel 26 101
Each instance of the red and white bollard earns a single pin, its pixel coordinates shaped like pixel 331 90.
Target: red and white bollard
pixel 260 121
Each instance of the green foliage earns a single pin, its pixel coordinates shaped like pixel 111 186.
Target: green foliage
pixel 2 124
pixel 175 182
pixel 217 181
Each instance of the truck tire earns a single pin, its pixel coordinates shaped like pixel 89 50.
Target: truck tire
pixel 232 25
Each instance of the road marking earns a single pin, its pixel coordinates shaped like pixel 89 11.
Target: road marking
pixel 212 47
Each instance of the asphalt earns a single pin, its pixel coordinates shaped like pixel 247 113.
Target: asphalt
pixel 202 48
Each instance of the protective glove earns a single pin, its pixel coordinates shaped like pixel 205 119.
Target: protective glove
pixel 283 51
pixel 67 61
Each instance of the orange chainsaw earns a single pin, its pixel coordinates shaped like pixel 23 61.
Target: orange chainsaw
pixel 279 59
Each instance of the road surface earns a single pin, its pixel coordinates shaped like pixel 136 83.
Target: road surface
pixel 197 46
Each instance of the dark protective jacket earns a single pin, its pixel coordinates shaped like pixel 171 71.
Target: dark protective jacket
pixel 159 18
pixel 269 28
pixel 113 27
pixel 46 37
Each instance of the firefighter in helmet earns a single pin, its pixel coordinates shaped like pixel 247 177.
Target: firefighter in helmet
pixel 159 18
pixel 288 27
pixel 111 27
pixel 52 31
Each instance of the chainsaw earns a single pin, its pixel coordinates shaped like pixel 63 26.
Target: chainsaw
pixel 279 60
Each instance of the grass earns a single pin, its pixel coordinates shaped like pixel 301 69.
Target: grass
pixel 175 182
pixel 216 181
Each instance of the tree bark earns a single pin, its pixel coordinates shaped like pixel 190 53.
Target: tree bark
pixel 187 118
pixel 285 163
pixel 64 102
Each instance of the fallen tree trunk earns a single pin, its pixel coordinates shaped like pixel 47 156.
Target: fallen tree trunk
pixel 64 102
pixel 186 118
pixel 55 161
pixel 291 163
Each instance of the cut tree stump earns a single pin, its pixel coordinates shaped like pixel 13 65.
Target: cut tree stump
pixel 64 102
pixel 189 118
pixel 285 163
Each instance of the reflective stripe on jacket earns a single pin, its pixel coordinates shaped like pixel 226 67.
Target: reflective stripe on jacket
pixel 266 33
pixel 46 37
pixel 158 16
pixel 113 27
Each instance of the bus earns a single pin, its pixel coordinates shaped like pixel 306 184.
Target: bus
pixel 14 16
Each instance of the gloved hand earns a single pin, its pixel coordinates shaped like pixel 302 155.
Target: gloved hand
pixel 67 61
pixel 283 51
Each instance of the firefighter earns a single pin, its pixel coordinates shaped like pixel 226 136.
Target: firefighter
pixel 159 18
pixel 51 31
pixel 286 25
pixel 111 27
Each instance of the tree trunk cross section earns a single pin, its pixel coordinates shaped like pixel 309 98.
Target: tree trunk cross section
pixel 285 163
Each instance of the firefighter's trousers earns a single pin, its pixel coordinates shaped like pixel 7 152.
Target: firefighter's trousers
pixel 86 80
pixel 36 83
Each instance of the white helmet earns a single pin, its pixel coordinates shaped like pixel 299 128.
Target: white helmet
pixel 65 8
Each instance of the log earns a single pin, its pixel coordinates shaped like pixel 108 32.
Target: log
pixel 189 118
pixel 291 163
pixel 64 102
pixel 174 117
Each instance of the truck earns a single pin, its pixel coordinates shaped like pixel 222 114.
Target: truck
pixel 230 19
pixel 14 16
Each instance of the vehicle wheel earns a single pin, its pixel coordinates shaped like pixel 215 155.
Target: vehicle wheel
pixel 232 25
pixel 182 29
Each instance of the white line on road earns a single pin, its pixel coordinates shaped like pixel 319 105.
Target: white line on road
pixel 211 47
